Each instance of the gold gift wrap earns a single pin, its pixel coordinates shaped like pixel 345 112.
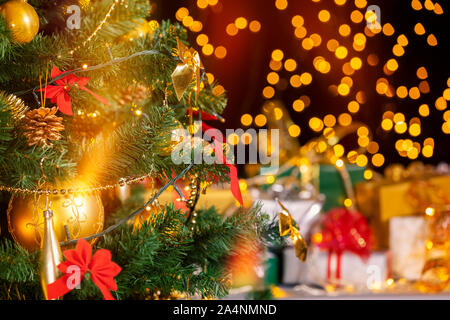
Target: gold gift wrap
pixel 402 192
pixel 399 199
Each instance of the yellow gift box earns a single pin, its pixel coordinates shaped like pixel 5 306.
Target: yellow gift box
pixel 396 200
pixel 402 192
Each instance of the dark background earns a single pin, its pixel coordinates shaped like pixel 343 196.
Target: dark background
pixel 243 72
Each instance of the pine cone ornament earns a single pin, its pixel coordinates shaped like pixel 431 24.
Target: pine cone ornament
pixel 42 126
pixel 14 105
pixel 134 94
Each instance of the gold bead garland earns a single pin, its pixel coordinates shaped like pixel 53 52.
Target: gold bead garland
pixel 196 187
pixel 192 201
pixel 193 195
pixel 122 182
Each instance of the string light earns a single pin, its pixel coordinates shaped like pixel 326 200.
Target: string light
pixel 298 105
pixel 348 203
pixel 260 120
pixel 231 29
pixel 220 52
pixel 246 119
pixel 241 23
pixel 294 130
pixel 254 26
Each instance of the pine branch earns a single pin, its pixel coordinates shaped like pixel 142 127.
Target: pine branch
pixel 5 42
pixel 164 255
pixel 161 256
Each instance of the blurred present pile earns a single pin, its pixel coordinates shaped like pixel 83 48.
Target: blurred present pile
pixel 372 86
pixel 377 233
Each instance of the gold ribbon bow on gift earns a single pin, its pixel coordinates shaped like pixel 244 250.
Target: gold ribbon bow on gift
pixel 186 70
pixel 286 227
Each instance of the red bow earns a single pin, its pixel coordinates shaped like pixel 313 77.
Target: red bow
pixel 345 230
pixel 100 266
pixel 59 93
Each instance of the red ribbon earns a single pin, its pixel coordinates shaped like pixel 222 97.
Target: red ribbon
pixel 59 93
pixel 345 230
pixel 218 151
pixel 204 115
pixel 100 267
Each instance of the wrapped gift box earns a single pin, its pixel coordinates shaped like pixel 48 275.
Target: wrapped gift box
pixel 361 274
pixel 327 181
pixel 382 200
pixel 331 185
pixel 306 213
pixel 292 269
pixel 407 243
pixel 271 265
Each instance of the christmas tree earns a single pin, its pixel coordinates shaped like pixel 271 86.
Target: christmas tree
pixel 93 97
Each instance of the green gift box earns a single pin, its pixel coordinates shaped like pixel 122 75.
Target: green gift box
pixel 330 183
pixel 327 180
pixel 271 269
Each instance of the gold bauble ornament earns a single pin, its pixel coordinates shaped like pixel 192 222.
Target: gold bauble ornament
pixel 75 215
pixel 22 20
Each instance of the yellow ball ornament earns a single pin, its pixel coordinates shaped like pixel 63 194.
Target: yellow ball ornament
pixel 22 20
pixel 75 215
